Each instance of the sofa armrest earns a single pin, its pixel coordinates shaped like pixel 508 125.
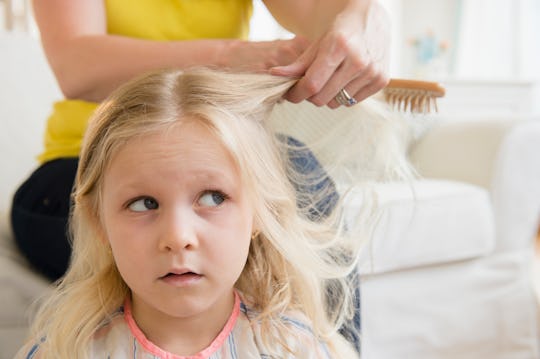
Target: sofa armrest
pixel 423 223
pixel 500 155
pixel 464 151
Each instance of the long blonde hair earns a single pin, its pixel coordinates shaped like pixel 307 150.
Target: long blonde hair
pixel 290 262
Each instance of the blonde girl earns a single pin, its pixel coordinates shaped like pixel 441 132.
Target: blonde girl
pixel 188 241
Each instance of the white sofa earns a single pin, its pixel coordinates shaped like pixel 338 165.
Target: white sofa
pixel 450 274
pixel 447 274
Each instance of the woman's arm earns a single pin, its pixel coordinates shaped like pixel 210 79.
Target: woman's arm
pixel 350 47
pixel 89 63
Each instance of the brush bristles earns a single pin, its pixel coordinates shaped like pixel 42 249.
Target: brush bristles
pixel 415 101
pixel 412 95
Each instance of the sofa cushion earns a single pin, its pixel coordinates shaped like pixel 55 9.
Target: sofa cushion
pixel 20 287
pixel 426 222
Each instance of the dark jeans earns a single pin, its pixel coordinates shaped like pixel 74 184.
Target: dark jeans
pixel 39 216
pixel 41 208
pixel 316 180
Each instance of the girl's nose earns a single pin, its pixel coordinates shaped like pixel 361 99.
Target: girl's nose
pixel 177 232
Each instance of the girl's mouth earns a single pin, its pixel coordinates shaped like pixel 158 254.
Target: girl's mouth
pixel 184 279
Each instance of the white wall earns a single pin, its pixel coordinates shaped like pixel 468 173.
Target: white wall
pixel 263 25
pixel 421 16
pixel 15 15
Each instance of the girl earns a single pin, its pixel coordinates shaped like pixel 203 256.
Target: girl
pixel 187 237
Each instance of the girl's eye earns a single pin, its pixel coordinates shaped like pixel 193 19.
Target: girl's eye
pixel 212 199
pixel 143 204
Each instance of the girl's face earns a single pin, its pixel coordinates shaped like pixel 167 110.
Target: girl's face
pixel 179 224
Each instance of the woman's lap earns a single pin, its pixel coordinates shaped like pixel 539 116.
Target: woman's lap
pixel 39 216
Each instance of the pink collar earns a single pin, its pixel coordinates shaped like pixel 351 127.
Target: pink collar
pixel 205 353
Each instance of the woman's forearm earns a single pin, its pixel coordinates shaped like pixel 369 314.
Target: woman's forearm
pixel 312 18
pixel 89 67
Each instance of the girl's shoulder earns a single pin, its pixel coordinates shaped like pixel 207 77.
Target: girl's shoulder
pixel 300 337
pixel 110 334
pixel 113 336
pixel 106 336
pixel 293 319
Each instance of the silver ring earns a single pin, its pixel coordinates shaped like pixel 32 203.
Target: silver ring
pixel 343 98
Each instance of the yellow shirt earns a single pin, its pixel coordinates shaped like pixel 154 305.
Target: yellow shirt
pixel 147 19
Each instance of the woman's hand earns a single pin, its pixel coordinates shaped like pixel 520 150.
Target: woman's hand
pixel 261 56
pixel 352 55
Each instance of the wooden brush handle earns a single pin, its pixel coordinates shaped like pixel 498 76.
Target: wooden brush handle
pixel 435 89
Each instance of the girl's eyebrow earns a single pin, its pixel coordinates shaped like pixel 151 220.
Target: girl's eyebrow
pixel 213 172
pixel 206 176
pixel 216 176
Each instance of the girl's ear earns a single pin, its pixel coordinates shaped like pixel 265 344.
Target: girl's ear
pixel 255 231
pixel 255 234
pixel 100 232
pixel 102 237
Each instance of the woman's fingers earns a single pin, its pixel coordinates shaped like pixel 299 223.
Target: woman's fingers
pixel 351 55
pixel 317 66
pixel 330 65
